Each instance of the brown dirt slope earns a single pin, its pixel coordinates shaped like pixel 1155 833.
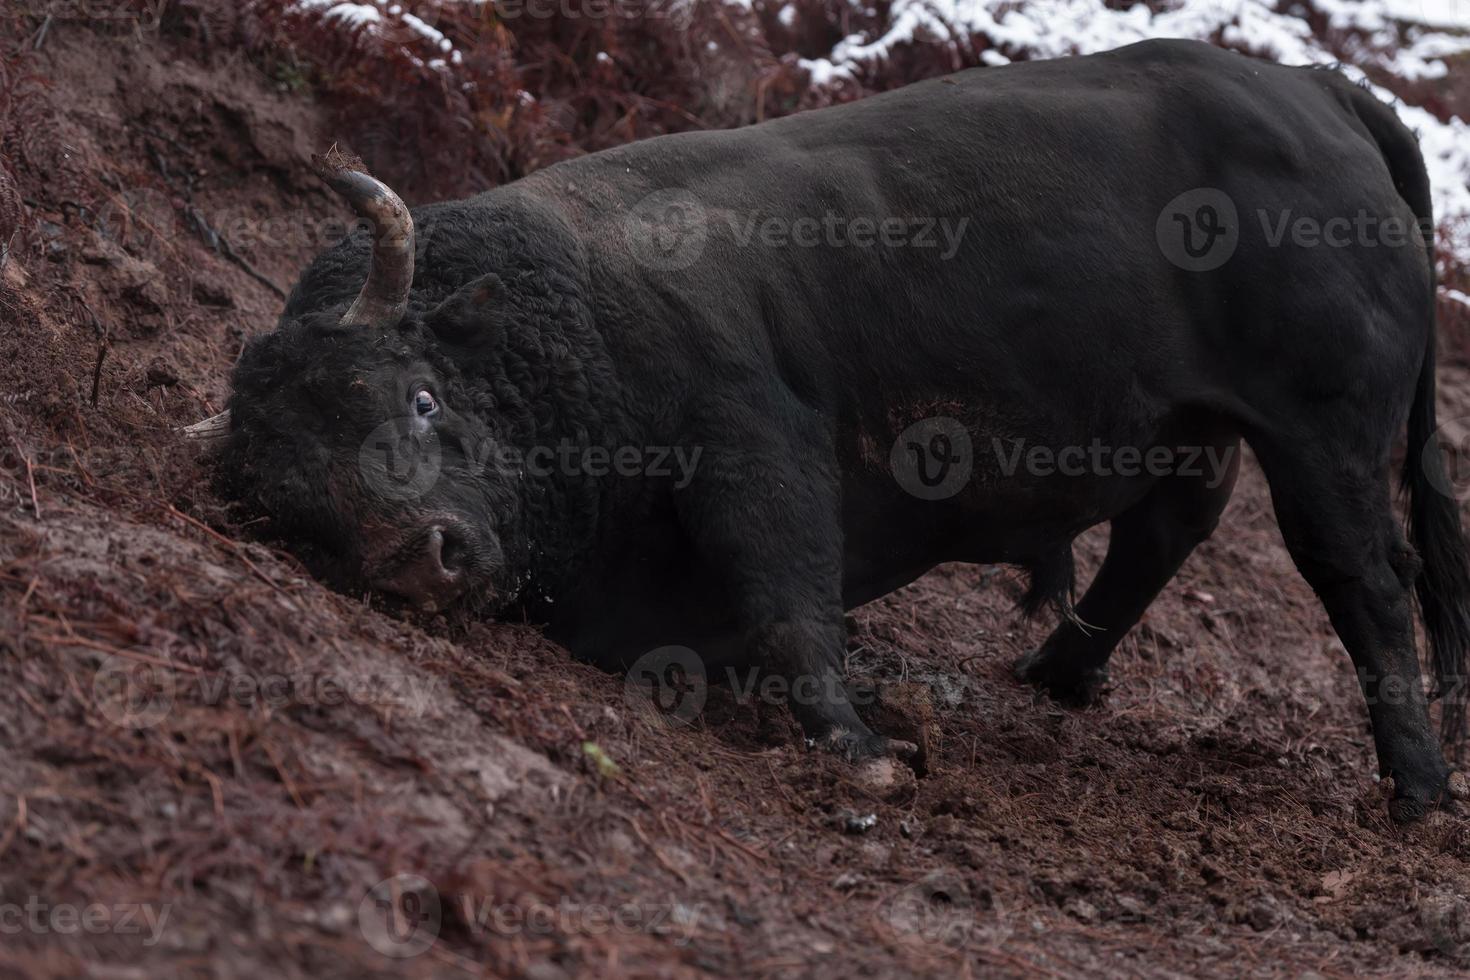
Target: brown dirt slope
pixel 213 762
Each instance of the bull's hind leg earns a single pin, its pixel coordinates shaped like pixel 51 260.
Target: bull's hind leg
pixel 1333 505
pixel 1148 543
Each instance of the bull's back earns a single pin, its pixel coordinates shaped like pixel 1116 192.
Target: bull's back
pixel 1030 197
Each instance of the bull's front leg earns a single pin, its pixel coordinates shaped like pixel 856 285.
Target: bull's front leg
pixel 767 515
pixel 803 652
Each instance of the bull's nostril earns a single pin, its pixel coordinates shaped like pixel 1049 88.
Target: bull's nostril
pixel 434 570
pixel 434 552
pixel 451 550
pixel 447 551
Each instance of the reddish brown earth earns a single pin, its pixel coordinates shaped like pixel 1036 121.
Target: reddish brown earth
pixel 1216 816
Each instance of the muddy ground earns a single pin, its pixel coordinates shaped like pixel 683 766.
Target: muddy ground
pixel 211 765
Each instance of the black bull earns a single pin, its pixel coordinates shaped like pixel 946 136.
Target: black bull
pixel 963 321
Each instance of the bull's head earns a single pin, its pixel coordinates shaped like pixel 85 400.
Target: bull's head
pixel 358 430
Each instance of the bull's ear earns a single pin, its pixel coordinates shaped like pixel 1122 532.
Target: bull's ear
pixel 470 316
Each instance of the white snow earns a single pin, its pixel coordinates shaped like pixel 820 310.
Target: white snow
pixel 1435 13
pixel 360 16
pixel 353 16
pixel 431 34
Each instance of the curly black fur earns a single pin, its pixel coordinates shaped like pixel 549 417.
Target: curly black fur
pixel 513 357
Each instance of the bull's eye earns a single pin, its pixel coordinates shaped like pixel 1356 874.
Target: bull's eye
pixel 424 403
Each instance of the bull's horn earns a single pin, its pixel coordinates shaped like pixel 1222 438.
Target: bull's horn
pixel 211 430
pixel 384 297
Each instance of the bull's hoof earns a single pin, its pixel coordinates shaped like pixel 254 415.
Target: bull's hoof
pixel 862 746
pixel 1410 810
pixel 1436 830
pixel 1406 810
pixel 1077 688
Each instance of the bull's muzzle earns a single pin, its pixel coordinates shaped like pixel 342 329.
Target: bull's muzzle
pixel 433 572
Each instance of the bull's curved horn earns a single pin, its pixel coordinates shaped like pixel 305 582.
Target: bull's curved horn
pixel 210 431
pixel 384 296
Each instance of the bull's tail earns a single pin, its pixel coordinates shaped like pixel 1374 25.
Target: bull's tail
pixel 1443 583
pixel 1443 586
